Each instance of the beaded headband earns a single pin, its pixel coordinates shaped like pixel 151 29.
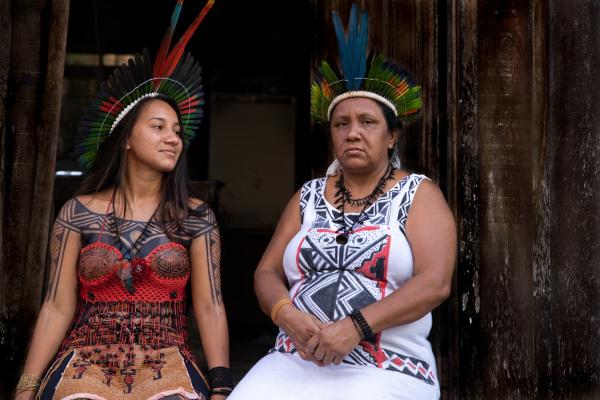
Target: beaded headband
pixel 383 81
pixel 174 74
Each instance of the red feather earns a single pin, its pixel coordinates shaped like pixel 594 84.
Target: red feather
pixel 166 62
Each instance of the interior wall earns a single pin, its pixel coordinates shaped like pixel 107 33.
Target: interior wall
pixel 252 153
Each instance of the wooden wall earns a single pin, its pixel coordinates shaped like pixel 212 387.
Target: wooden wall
pixel 527 178
pixel 32 51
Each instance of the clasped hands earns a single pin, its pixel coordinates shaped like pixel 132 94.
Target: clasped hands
pixel 322 343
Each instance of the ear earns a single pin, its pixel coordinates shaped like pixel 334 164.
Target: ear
pixel 393 138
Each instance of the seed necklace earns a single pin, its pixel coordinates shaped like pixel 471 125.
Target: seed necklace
pixel 343 196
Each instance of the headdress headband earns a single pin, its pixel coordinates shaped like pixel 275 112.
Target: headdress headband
pixel 173 74
pixel 384 81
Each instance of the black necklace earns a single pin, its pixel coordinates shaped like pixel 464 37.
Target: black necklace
pixel 130 269
pixel 343 196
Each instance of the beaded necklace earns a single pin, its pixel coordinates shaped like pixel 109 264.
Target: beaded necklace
pixel 343 196
pixel 130 269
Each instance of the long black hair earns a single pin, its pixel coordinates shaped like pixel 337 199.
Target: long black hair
pixel 110 166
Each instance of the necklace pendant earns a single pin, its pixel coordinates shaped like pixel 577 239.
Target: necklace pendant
pixel 124 272
pixel 341 239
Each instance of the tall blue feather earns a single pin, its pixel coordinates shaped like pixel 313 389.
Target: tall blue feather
pixel 175 15
pixel 344 51
pixel 363 40
pixel 353 49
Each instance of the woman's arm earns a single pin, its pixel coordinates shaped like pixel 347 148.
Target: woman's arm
pixel 209 309
pixel 270 282
pixel 431 232
pixel 60 302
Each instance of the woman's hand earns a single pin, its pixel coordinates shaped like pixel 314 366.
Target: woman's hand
pixel 334 342
pixel 301 327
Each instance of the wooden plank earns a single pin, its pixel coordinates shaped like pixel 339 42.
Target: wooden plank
pixel 5 28
pixel 574 68
pixel 448 50
pixel 28 158
pixel 504 112
pixel 45 162
pixel 470 385
pixel 542 147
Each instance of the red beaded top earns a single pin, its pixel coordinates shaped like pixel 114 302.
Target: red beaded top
pixel 163 277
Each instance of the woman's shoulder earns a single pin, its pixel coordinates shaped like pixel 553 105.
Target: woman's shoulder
pixel 95 203
pixel 422 190
pixel 80 211
pixel 410 176
pixel 411 182
pixel 315 181
pixel 313 184
pixel 200 218
pixel 198 208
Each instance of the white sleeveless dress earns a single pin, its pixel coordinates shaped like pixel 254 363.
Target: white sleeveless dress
pixel 329 280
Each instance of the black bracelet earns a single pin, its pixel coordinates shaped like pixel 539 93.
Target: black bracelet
pixel 222 391
pixel 220 377
pixel 362 323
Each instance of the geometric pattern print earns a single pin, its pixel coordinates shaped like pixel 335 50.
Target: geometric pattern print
pixel 407 198
pixel 339 278
pixel 410 366
pixel 368 354
pixel 378 213
pixel 372 355
pixel 199 222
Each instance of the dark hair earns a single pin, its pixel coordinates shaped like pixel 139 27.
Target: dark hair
pixel 109 169
pixel 393 123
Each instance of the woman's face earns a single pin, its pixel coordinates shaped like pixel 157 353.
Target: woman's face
pixel 155 138
pixel 360 135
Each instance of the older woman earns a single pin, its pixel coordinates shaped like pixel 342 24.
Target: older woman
pixel 359 258
pixel 114 322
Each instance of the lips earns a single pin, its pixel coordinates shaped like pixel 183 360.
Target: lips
pixel 171 152
pixel 354 150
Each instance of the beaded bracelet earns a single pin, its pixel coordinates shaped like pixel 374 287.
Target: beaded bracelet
pixel 277 306
pixel 362 323
pixel 28 382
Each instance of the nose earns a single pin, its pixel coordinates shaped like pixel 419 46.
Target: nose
pixel 354 131
pixel 172 138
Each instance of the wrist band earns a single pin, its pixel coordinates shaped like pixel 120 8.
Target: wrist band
pixel 360 332
pixel 220 380
pixel 277 306
pixel 362 323
pixel 222 391
pixel 28 382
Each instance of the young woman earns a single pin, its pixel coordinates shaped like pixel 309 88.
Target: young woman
pixel 114 321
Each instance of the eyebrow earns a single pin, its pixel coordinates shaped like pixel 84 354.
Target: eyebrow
pixel 361 114
pixel 162 120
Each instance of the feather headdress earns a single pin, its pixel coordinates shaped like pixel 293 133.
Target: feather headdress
pixel 381 79
pixel 173 74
